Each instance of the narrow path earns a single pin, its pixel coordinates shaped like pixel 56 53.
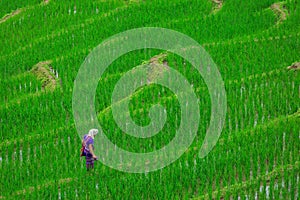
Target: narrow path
pixel 10 15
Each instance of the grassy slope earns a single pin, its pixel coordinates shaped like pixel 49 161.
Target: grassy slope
pixel 66 45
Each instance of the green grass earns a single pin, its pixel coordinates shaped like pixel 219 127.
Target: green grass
pixel 259 144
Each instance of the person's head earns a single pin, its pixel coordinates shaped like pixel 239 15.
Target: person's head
pixel 93 132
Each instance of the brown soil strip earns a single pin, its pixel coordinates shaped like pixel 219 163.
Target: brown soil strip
pixel 294 67
pixel 42 71
pixel 45 2
pixel 280 11
pixel 10 15
pixel 157 66
pixel 217 5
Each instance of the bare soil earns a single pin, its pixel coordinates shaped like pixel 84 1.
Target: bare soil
pixel 158 65
pixel 218 5
pixel 295 66
pixel 42 71
pixel 280 11
pixel 46 2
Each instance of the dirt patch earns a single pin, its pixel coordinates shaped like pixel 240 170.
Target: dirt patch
pixel 295 66
pixel 10 15
pixel 217 5
pixel 158 59
pixel 158 65
pixel 280 11
pixel 42 71
pixel 45 2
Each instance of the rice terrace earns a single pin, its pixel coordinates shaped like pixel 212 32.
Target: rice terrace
pixel 150 99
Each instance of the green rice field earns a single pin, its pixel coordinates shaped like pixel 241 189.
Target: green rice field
pixel 254 44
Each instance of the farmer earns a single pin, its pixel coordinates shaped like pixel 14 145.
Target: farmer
pixel 88 143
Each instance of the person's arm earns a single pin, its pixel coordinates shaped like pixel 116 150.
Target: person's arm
pixel 92 151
